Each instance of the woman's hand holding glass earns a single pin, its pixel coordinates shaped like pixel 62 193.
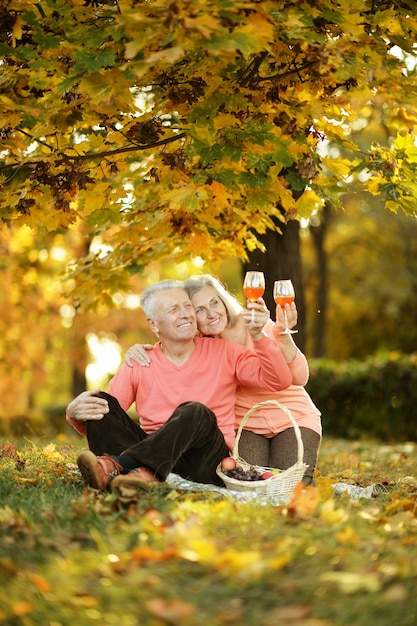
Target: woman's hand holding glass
pixel 282 336
pixel 284 296
pixel 256 316
pixel 291 314
pixel 254 287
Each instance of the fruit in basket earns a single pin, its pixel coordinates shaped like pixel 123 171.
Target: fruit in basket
pixel 228 463
pixel 267 475
pixel 240 473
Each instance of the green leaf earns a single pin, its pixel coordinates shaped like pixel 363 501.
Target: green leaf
pixel 90 62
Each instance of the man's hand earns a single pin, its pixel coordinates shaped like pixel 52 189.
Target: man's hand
pixel 87 406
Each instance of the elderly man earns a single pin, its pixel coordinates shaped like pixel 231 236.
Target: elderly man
pixel 185 400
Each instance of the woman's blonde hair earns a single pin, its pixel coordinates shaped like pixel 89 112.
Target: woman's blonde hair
pixel 194 284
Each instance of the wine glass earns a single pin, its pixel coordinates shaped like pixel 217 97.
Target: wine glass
pixel 254 287
pixel 284 294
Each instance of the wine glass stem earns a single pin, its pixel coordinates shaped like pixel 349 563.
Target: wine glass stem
pixel 252 317
pixel 286 321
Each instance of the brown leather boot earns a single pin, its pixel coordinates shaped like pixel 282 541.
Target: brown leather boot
pixel 140 478
pixel 98 471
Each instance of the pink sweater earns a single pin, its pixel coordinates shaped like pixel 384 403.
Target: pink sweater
pixel 270 420
pixel 210 376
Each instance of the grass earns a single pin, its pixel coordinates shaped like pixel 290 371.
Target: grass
pixel 73 557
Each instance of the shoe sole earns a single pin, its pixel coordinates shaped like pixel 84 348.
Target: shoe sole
pixel 88 466
pixel 131 482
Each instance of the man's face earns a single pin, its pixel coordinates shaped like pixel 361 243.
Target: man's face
pixel 175 317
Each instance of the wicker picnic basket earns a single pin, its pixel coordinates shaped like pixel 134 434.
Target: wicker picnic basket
pixel 281 485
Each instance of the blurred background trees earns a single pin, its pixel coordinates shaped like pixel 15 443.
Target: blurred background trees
pixel 48 346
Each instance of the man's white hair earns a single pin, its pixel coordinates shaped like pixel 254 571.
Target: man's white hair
pixel 149 295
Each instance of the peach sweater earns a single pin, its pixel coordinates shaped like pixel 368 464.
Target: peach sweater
pixel 269 421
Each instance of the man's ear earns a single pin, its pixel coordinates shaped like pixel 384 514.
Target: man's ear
pixel 153 325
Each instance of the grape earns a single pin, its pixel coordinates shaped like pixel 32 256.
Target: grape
pixel 239 473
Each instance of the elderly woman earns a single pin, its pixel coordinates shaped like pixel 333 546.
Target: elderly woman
pixel 268 438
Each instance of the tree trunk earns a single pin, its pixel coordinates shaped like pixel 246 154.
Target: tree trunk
pixel 280 260
pixel 318 230
pixel 79 356
pixel 79 331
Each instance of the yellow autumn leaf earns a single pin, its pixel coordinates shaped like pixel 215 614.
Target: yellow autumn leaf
pixel 401 521
pixel 259 28
pixel 373 186
pixel 347 537
pixel 51 453
pixel 206 25
pixel 199 549
pixel 406 142
pixel 308 202
pixel 17 32
pixel 329 513
pixel 404 504
pixel 29 481
pixel 353 25
pixel 285 197
pixel 337 166
pixel 324 485
pixel 239 563
pixel 278 562
pixel 220 194
pixel 225 120
pixel 352 582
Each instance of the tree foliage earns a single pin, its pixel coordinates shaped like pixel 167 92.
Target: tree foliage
pixel 175 129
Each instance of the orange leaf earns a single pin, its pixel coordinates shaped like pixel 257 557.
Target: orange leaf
pixel 304 500
pixel 21 608
pixel 146 553
pixel 171 611
pixel 40 583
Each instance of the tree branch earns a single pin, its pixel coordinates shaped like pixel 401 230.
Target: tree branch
pixel 250 76
pixel 92 156
pixel 295 70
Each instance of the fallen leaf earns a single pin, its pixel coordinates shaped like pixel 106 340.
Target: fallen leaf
pixel 304 500
pixel 352 582
pixel 171 611
pixel 396 593
pixel 30 481
pixel 403 505
pixel 21 608
pixel 7 450
pixel 40 583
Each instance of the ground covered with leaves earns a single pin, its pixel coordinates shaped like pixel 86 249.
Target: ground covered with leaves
pixel 72 556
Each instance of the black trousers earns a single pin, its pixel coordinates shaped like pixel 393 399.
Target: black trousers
pixel 190 443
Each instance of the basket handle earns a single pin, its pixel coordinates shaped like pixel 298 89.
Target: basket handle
pixel 300 445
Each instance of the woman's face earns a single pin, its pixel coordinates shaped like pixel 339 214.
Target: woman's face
pixel 210 311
